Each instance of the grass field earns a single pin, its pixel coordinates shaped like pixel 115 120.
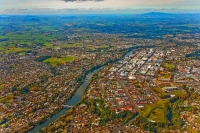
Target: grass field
pixel 165 75
pixel 47 28
pixel 7 98
pixel 19 36
pixel 48 45
pixel 29 42
pixel 16 50
pixel 158 115
pixel 160 92
pixel 21 53
pixel 27 38
pixel 1 86
pixel 169 66
pixel 197 120
pixel 91 47
pixel 74 45
pixel 156 111
pixel 3 37
pixel 33 88
pixel 4 46
pixel 190 130
pixel 178 93
pixel 9 40
pixel 57 61
pixel 1 47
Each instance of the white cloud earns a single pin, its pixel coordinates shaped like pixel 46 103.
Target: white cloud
pixel 87 4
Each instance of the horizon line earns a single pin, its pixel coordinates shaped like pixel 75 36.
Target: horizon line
pixel 16 11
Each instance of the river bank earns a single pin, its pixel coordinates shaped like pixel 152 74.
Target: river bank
pixel 76 98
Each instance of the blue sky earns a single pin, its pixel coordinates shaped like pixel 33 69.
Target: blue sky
pixel 89 5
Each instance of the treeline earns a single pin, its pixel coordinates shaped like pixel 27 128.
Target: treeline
pixel 195 55
pixel 42 58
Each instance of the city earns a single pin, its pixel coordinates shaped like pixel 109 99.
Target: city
pixel 99 73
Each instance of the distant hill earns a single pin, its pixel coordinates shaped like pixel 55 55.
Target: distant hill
pixel 157 14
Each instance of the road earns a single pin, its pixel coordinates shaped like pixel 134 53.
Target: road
pixel 134 105
pixel 72 121
pixel 126 124
pixel 131 99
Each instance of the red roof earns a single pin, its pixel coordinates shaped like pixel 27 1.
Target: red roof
pixel 128 108
pixel 120 91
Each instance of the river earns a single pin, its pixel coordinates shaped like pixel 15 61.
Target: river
pixel 73 101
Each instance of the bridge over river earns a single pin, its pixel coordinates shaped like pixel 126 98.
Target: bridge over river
pixel 66 106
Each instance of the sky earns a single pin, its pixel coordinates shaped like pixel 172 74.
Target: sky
pixel 31 6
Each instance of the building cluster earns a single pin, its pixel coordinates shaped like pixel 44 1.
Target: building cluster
pixel 127 86
pixel 191 120
pixel 33 91
pixel 134 70
pixel 188 70
pixel 140 79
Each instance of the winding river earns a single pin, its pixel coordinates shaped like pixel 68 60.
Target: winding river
pixel 73 101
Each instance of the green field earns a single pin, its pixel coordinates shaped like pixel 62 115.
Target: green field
pixel 90 47
pixel 1 47
pixel 19 37
pixel 9 45
pixel 47 28
pixel 21 53
pixel 7 98
pixel 57 61
pixel 169 66
pixel 73 45
pixel 165 75
pixel 158 115
pixel 190 130
pixel 178 93
pixel 160 92
pixel 16 50
pixel 156 111
pixel 4 46
pixel 197 120
pixel 26 38
pixel 48 45
pixel 1 86
pixel 3 37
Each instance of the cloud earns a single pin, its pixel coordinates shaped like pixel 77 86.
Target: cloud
pixel 100 4
pixel 92 11
pixel 81 0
